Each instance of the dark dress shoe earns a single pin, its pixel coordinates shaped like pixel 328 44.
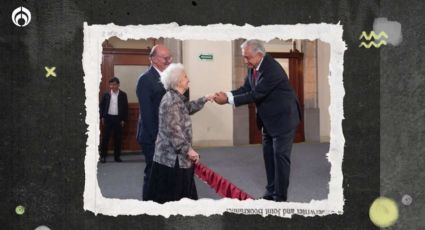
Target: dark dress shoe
pixel 118 160
pixel 268 197
pixel 103 160
pixel 280 199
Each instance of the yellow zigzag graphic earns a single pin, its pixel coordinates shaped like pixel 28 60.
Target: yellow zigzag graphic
pixel 367 46
pixel 372 34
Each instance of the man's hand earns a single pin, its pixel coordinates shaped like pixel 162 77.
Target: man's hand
pixel 102 120
pixel 221 98
pixel 122 123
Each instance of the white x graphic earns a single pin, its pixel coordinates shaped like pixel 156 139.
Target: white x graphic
pixel 50 71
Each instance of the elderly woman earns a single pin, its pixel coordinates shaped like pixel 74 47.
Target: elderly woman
pixel 173 167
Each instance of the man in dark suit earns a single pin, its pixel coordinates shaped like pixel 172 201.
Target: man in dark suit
pixel 278 113
pixel 113 115
pixel 149 91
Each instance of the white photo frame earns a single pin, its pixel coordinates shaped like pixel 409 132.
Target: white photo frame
pixel 94 35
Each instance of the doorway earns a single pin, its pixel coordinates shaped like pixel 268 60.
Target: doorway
pixel 127 65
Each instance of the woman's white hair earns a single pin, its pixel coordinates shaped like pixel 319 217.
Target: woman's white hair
pixel 171 76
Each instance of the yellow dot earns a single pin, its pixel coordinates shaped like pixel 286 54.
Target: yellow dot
pixel 383 212
pixel 20 210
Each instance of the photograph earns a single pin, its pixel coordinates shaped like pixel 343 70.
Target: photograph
pixel 198 120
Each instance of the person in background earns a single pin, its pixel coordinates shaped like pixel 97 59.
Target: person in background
pixel 113 115
pixel 149 92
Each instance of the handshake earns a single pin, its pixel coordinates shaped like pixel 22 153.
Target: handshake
pixel 219 98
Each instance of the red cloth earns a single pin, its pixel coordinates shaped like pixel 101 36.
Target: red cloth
pixel 221 186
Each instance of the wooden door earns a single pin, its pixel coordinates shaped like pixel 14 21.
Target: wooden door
pixel 295 74
pixel 114 59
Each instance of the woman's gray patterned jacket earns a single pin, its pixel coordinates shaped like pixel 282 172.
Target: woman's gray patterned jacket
pixel 175 129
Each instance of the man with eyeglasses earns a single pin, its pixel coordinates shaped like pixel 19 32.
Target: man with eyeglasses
pixel 149 92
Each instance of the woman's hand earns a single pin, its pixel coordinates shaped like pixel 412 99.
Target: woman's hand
pixel 193 156
pixel 210 97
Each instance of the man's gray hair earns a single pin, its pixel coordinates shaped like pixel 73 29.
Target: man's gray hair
pixel 255 45
pixel 171 76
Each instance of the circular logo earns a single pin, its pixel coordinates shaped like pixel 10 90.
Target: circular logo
pixel 20 210
pixel 21 16
pixel 383 212
pixel 406 200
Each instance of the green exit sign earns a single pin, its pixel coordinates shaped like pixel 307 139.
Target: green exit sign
pixel 206 57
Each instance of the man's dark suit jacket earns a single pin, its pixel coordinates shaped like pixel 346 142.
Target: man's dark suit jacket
pixel 278 110
pixel 122 105
pixel 149 91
